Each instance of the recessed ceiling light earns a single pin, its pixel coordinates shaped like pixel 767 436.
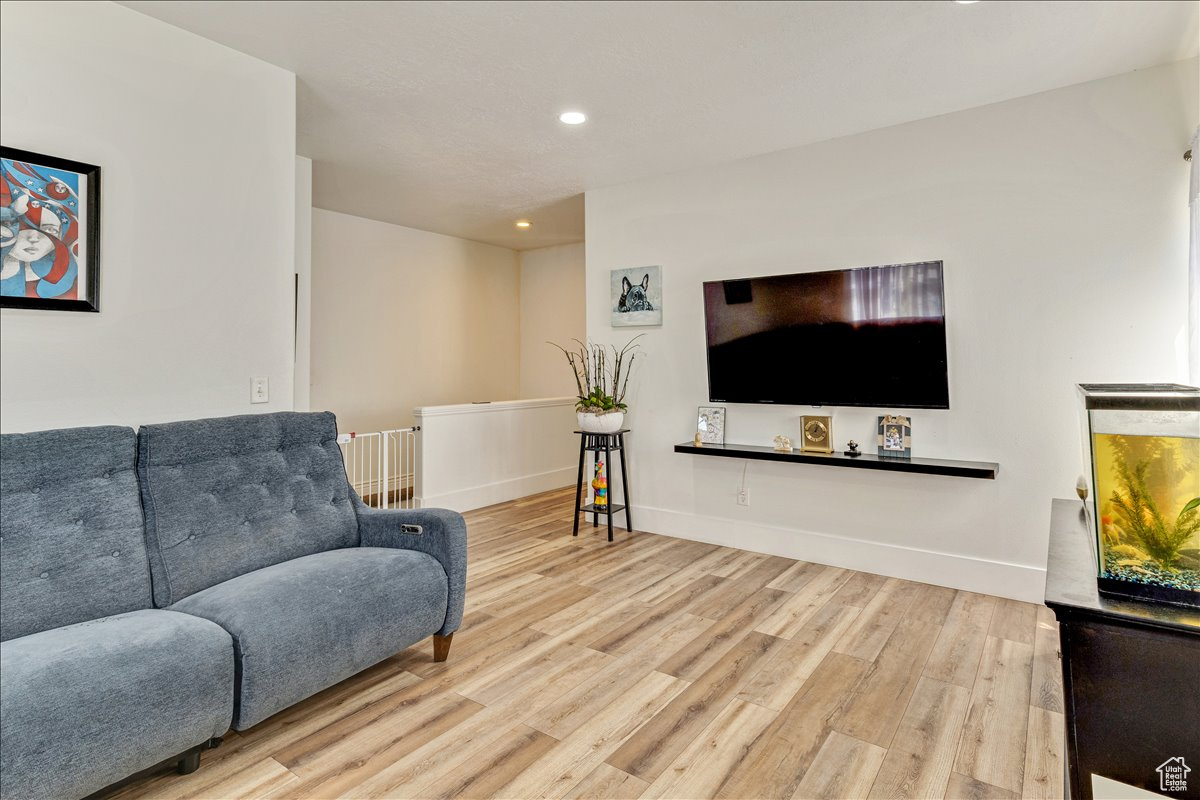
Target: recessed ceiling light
pixel 523 223
pixel 572 117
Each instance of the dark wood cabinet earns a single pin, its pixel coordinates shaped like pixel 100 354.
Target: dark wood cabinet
pixel 1131 671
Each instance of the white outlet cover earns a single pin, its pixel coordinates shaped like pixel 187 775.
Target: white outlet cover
pixel 259 392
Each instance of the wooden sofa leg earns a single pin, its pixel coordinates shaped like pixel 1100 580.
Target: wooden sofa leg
pixel 441 646
pixel 189 763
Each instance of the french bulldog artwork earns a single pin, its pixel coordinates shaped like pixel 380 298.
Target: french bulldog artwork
pixel 636 296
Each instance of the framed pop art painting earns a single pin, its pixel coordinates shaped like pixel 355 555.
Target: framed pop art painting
pixel 636 296
pixel 49 232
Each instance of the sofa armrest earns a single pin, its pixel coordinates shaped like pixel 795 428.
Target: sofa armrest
pixel 443 535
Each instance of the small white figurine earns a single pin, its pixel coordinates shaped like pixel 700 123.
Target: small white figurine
pixel 783 444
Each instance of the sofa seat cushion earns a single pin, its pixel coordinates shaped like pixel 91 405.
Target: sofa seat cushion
pixel 87 704
pixel 305 624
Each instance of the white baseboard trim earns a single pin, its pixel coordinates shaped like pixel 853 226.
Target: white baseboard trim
pixel 1016 581
pixel 501 491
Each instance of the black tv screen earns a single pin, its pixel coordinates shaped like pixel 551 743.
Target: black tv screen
pixel 874 336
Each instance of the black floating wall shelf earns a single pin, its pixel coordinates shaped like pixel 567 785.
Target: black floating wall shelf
pixel 925 466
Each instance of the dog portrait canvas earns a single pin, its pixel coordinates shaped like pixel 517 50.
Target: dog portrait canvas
pixel 636 296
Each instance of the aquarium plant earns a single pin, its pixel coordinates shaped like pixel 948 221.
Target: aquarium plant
pixel 1159 537
pixel 1144 540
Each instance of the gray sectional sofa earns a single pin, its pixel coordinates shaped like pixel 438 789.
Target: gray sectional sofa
pixel 156 591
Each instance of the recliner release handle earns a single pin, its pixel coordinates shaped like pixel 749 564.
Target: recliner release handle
pixel 413 529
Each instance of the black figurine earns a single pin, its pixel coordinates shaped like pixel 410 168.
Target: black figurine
pixel 853 452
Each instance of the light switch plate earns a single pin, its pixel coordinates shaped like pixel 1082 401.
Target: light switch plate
pixel 258 390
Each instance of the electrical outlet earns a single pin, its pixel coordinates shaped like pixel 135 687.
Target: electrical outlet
pixel 258 390
pixel 743 497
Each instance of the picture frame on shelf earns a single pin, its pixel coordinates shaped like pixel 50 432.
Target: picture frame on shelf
pixel 50 232
pixel 894 436
pixel 710 425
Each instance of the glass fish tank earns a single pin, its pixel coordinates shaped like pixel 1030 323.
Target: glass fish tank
pixel 1142 454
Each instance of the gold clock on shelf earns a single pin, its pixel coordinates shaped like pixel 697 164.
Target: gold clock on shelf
pixel 816 434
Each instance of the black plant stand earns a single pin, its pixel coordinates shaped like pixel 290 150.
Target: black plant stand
pixel 605 443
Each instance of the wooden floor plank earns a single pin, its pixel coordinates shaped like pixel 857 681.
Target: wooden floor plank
pixel 557 771
pixel 694 658
pixel 1046 691
pixel 485 776
pixel 844 767
pixel 716 604
pixel 649 751
pixel 992 747
pixel 796 577
pixel 574 616
pixel 872 628
pixel 684 574
pixel 873 711
pixel 860 589
pixel 955 655
pixel 775 763
pixel 964 788
pixel 572 709
pixel 636 630
pixel 552 688
pixel 606 782
pixel 542 599
pixel 921 755
pixel 366 751
pixel 1014 620
pixel 933 603
pixel 537 659
pixel 785 671
pixel 1043 779
pixel 708 759
pixel 472 739
pixel 795 612
pixel 267 778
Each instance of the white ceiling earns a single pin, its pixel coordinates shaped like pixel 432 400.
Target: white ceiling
pixel 444 115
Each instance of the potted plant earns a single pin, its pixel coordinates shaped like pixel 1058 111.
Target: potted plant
pixel 601 378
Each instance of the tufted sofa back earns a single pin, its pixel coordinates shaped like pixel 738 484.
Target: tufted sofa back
pixel 226 496
pixel 71 536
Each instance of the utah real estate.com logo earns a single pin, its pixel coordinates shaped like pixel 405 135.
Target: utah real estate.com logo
pixel 1172 775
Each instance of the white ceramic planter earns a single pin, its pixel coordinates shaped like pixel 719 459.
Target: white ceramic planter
pixel 600 423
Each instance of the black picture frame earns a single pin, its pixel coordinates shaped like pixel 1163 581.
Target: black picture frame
pixel 91 234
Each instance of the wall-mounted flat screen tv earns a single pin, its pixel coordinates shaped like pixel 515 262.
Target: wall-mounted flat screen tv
pixel 874 336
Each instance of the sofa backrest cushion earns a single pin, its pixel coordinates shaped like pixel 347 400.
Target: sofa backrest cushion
pixel 71 537
pixel 226 496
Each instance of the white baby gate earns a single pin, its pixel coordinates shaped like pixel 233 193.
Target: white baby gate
pixel 382 466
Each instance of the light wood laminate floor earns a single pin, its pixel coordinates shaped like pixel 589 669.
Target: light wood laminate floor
pixel 662 668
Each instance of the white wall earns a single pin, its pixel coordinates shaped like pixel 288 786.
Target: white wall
pixel 404 318
pixel 552 310
pixel 476 455
pixel 303 278
pixel 1062 221
pixel 196 144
